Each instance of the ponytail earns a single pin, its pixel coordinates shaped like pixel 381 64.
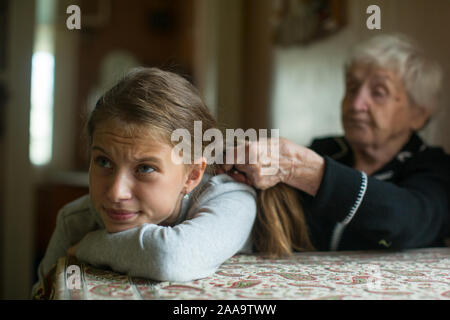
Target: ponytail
pixel 280 226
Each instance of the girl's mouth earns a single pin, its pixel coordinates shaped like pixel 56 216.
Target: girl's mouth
pixel 120 214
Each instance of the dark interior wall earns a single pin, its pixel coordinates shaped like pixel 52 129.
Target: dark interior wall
pixel 17 176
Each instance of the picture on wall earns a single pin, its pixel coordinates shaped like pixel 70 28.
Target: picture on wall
pixel 300 22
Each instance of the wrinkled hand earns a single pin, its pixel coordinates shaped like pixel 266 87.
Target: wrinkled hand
pixel 274 161
pixel 262 167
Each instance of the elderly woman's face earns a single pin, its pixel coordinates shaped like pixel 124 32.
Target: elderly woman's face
pixel 376 108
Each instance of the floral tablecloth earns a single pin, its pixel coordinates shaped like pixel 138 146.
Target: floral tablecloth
pixel 411 274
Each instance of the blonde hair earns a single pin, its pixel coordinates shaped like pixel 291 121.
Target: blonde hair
pixel 153 99
pixel 281 226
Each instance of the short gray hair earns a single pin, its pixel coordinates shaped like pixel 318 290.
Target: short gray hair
pixel 422 77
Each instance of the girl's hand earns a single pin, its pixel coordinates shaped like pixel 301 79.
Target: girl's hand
pixel 72 250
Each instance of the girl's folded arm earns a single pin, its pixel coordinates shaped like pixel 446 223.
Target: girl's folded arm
pixel 190 250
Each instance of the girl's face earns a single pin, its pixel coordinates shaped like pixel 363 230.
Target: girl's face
pixel 133 179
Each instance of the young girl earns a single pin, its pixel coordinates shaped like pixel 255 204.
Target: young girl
pixel 149 216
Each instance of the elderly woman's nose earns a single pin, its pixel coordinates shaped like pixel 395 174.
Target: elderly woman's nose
pixel 360 100
pixel 119 188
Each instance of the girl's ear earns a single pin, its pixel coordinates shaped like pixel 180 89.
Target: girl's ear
pixel 195 174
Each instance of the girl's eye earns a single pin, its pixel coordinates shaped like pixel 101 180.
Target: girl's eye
pixel 103 162
pixel 145 169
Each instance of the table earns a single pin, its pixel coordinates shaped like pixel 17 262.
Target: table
pixel 355 275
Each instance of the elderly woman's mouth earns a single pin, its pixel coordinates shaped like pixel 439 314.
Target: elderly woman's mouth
pixel 356 122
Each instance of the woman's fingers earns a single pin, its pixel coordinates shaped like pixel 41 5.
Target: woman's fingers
pixel 238 176
pixel 219 170
pixel 250 166
pixel 226 167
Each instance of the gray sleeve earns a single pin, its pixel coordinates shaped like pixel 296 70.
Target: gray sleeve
pixel 190 250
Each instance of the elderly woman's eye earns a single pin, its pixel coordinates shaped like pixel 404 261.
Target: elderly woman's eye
pixel 145 169
pixel 103 162
pixel 379 92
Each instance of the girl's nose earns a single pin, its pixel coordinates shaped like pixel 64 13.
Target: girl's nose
pixel 120 188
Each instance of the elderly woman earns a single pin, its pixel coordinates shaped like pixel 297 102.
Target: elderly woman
pixel 378 186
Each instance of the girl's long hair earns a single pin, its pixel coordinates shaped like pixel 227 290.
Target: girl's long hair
pixel 162 101
pixel 280 226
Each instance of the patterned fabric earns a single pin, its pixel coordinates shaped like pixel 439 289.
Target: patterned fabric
pixel 411 274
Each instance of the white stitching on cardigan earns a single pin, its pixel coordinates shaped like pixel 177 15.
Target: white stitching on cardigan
pixel 340 226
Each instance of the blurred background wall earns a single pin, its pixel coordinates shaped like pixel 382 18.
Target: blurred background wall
pixel 254 67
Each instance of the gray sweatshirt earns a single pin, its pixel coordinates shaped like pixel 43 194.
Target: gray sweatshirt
pixel 214 223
